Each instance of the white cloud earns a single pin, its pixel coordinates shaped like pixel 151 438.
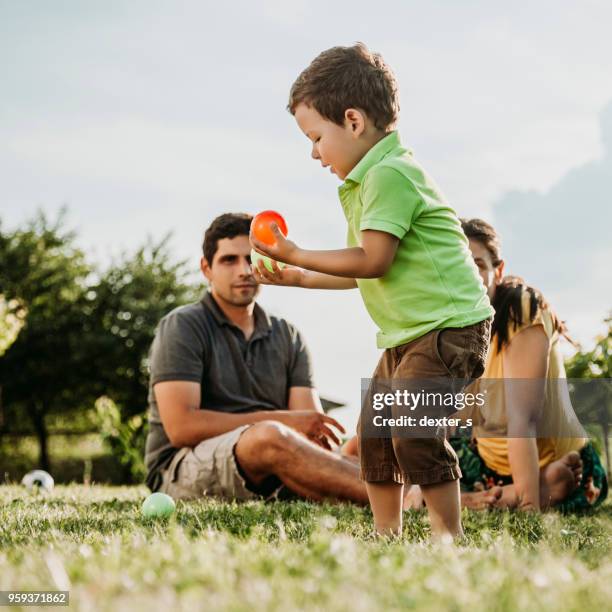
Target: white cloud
pixel 559 239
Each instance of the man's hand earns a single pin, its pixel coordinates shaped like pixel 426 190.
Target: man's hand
pixel 314 425
pixel 282 250
pixel 293 276
pixel 289 276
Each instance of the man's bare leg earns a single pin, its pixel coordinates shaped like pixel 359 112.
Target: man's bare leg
pixel 270 447
pixel 386 502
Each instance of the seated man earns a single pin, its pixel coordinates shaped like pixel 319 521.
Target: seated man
pixel 232 408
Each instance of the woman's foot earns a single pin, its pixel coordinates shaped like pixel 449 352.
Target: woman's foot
pixel 591 492
pixel 573 461
pixel 413 498
pixel 481 500
pixel 560 479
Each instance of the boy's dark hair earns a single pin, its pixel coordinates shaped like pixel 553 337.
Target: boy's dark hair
pixel 227 225
pixel 348 77
pixel 508 299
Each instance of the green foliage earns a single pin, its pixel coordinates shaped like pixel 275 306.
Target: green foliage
pixel 86 334
pixel 11 321
pixel 125 439
pixel 127 304
pixel 596 363
pixel 295 556
pixel 47 368
pixel 595 401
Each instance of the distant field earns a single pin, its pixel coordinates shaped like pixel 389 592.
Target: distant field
pixel 293 556
pixel 73 458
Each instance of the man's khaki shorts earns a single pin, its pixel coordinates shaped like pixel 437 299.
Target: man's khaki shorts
pixel 210 469
pixel 443 354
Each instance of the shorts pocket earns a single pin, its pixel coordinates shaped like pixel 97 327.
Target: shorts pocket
pixel 448 362
pixel 176 463
pixel 479 363
pixel 480 348
pixel 170 476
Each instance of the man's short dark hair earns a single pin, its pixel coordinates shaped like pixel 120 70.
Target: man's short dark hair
pixel 227 225
pixel 348 77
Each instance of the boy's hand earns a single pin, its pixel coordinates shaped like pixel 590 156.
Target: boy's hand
pixel 283 250
pixel 289 276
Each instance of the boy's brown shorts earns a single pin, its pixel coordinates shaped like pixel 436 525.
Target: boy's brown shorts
pixel 442 354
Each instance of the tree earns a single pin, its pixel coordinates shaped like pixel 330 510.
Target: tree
pixel 11 322
pixel 12 316
pixel 595 400
pixel 86 335
pixel 43 274
pixel 128 302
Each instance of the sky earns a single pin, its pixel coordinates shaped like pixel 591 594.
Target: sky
pixel 149 117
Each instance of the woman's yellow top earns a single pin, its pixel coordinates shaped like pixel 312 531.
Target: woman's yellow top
pixel 566 433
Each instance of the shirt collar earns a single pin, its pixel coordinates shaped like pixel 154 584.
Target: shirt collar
pixel 380 150
pixel 263 323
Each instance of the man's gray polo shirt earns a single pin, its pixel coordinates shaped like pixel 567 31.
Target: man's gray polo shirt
pixel 198 343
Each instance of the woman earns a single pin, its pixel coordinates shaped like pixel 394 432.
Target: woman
pixel 535 472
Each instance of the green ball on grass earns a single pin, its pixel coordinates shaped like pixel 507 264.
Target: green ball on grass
pixel 158 505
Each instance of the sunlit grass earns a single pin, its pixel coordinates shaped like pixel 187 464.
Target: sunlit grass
pixel 289 556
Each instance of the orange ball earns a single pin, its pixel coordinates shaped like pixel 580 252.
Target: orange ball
pixel 260 226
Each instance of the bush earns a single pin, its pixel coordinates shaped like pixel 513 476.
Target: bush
pixel 124 439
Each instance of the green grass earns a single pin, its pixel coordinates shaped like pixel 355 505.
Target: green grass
pixel 293 556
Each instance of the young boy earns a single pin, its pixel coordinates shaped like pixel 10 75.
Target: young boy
pixel 410 260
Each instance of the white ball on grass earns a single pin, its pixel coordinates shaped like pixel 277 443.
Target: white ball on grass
pixel 38 480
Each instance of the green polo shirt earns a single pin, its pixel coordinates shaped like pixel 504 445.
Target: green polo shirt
pixel 433 282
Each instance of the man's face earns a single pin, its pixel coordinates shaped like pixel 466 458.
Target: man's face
pixel 333 145
pixel 230 272
pixel 491 275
